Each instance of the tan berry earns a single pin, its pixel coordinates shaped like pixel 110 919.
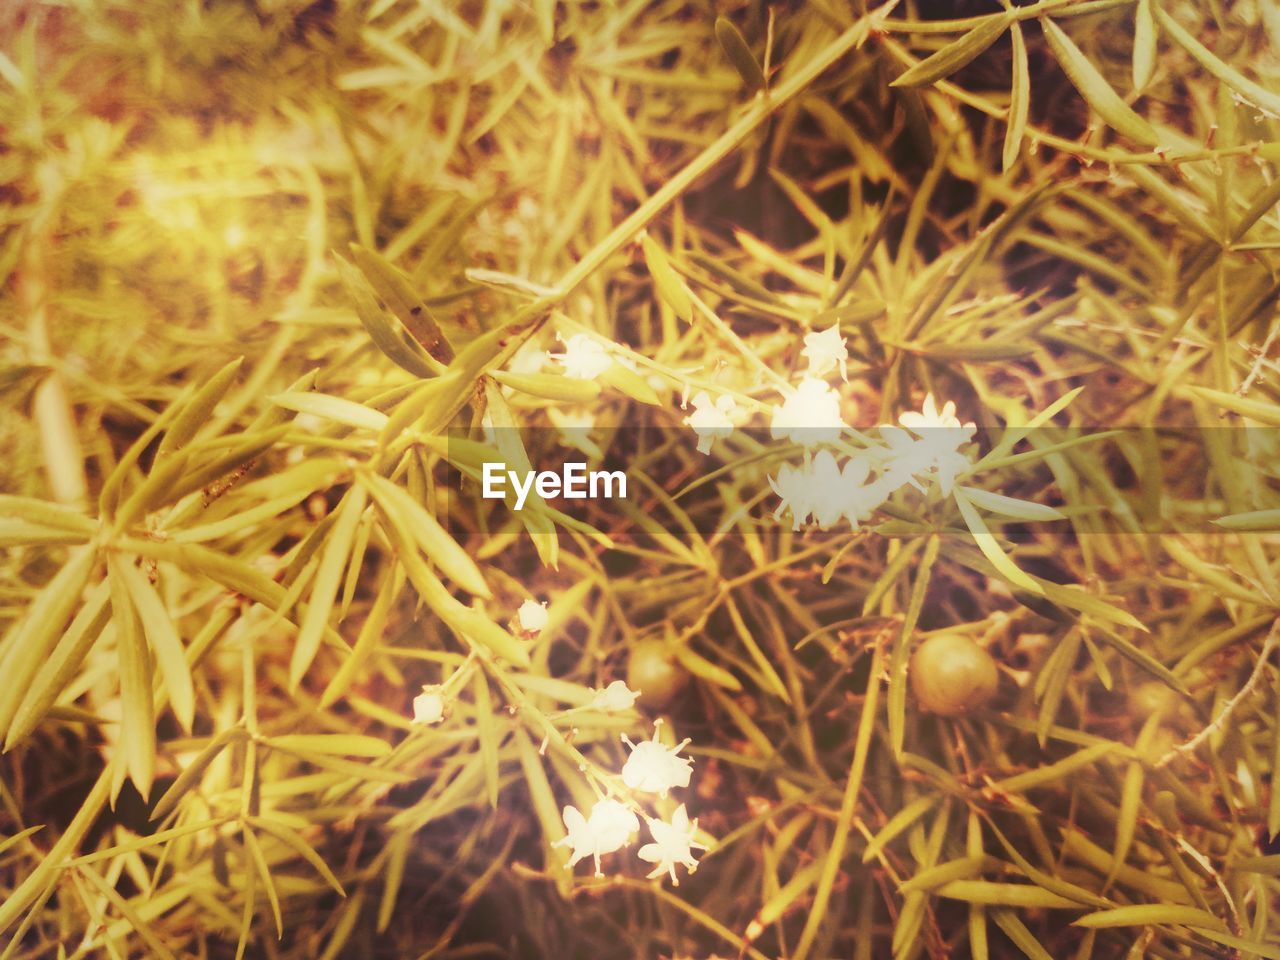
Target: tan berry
pixel 952 675
pixel 653 672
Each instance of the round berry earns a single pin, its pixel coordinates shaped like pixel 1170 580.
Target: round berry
pixel 653 672
pixel 952 675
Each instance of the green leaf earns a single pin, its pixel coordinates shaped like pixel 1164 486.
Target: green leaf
pixel 29 646
pixel 143 929
pixel 155 491
pixel 1022 895
pixel 324 590
pixel 190 776
pixel 933 877
pixel 955 54
pixel 264 871
pixel 397 292
pixel 988 351
pixel 387 335
pixel 991 549
pixel 201 473
pixel 899 822
pixel 291 839
pixel 1148 914
pixel 892 571
pixel 61 665
pixel 1017 931
pixel 1042 776
pixel 348 768
pixel 510 443
pixel 1047 881
pixel 544 806
pixel 740 55
pixel 18 533
pixel 109 497
pixel 1261 410
pixel 328 407
pixel 1142 659
pixel 703 668
pixel 1254 520
pixel 1010 506
pixel 1075 598
pixel 45 513
pixel 897 703
pixel 670 286
pixel 631 383
pixel 416 525
pixel 165 643
pixel 138 722
pixel 338 744
pixel 1144 45
pixel 550 386
pixel 488 735
pixel 1244 946
pixel 195 413
pixel 1273 805
pixel 1054 677
pixel 1094 87
pixel 397 852
pixel 1256 94
pixel 18 837
pixel 1019 98
pixel 466 621
pixel 370 633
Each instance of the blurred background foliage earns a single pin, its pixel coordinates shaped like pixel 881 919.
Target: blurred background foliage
pixel 217 614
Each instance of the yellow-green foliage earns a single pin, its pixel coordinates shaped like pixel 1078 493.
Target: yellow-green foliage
pixel 274 277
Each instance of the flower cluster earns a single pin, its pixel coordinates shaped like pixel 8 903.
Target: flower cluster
pixel 611 825
pixel 827 492
pixel 810 412
pixel 928 449
pixel 613 821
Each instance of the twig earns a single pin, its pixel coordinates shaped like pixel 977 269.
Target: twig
pixel 1256 370
pixel 1254 678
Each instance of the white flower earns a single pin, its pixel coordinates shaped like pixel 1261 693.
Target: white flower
pixel 583 358
pixel 794 488
pixel 711 419
pixel 937 452
pixel 858 498
pixel 672 843
pixel 530 358
pixel 939 428
pixel 615 697
pixel 906 457
pixel 654 767
pixel 610 827
pixel 827 492
pixel 428 706
pixel 825 351
pixel 532 616
pixel 810 415
pixel 947 464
